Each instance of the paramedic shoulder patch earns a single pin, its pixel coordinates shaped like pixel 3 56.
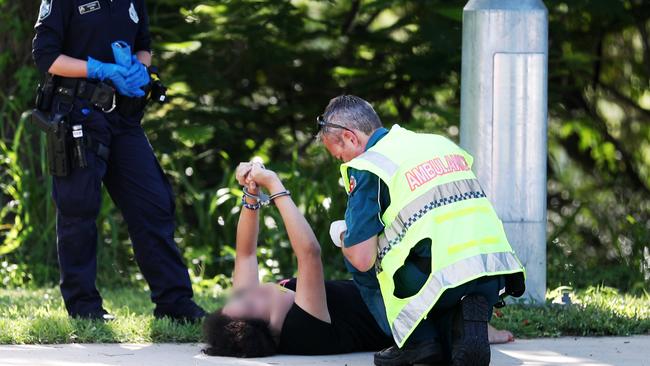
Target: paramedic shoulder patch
pixel 353 183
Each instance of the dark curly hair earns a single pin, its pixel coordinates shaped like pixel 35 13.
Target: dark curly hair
pixel 230 337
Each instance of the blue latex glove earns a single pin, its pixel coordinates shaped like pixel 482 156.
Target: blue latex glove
pixel 115 73
pixel 138 75
pixel 122 53
pixel 102 71
pixel 123 57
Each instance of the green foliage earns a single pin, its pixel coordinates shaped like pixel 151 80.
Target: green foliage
pixel 599 147
pixel 247 78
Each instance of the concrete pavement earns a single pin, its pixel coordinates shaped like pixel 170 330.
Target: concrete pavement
pixel 633 351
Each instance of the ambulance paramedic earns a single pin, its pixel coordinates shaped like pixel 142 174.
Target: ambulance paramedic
pixel 419 232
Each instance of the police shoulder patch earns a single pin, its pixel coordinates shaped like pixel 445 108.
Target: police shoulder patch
pixel 45 10
pixel 134 14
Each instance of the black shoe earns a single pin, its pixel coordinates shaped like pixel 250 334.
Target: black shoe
pixel 470 345
pixel 429 352
pixel 101 315
pixel 185 311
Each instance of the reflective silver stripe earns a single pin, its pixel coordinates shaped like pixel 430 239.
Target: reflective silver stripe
pixel 380 160
pixel 437 196
pixel 451 276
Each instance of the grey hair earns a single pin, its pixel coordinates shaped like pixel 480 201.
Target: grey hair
pixel 351 112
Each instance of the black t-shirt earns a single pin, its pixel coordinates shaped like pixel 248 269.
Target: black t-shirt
pixel 353 328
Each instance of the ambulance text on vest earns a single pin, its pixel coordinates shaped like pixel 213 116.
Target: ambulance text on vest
pixel 435 167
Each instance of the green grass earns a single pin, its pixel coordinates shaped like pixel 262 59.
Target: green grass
pixel 597 311
pixel 38 316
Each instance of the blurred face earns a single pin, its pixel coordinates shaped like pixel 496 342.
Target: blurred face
pixel 344 145
pixel 252 303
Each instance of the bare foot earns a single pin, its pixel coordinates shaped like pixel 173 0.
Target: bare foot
pixel 499 336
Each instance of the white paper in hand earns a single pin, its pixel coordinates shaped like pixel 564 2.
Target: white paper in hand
pixel 336 229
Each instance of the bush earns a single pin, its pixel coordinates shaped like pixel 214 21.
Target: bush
pixel 248 78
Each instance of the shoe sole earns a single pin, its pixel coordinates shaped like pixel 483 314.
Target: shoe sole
pixel 473 347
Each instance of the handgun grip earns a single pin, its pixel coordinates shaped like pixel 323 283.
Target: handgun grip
pixel 43 122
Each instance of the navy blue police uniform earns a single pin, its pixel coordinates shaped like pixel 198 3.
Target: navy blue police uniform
pixel 369 197
pixel 130 172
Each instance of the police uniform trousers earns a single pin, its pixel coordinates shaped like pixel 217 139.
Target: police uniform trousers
pixel 139 188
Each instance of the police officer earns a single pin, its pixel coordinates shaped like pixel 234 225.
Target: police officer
pixel 74 42
pixel 419 233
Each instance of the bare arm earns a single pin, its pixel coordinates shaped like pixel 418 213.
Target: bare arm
pixel 310 286
pixel 70 67
pixel 363 255
pixel 246 271
pixel 67 66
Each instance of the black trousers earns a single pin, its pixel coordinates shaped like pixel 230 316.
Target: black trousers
pixel 140 190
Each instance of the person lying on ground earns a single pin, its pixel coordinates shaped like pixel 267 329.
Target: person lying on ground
pixel 306 315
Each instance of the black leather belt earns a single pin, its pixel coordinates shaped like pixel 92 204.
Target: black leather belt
pixel 101 95
pixel 98 93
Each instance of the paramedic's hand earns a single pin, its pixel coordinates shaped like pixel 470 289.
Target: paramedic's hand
pixel 337 228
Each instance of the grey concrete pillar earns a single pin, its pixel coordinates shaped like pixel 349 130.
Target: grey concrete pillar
pixel 504 120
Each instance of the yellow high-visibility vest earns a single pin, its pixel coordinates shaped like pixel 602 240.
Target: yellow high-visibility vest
pixel 433 195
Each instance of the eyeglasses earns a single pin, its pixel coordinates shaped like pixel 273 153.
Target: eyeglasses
pixel 320 120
